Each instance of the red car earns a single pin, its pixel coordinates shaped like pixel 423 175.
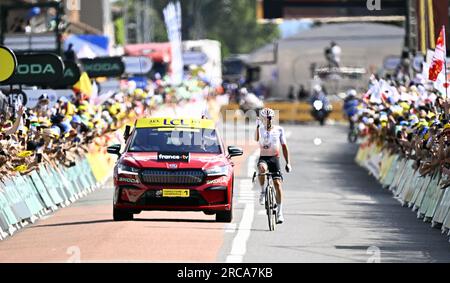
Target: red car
pixel 173 165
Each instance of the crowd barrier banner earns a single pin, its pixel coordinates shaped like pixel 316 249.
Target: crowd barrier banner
pixel 8 218
pixel 25 199
pixel 62 198
pixel 422 194
pixel 67 186
pixel 41 189
pixel 101 165
pixel 443 209
pixel 18 205
pixel 51 189
pixel 28 194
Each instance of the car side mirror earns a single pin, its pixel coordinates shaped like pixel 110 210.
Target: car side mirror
pixel 114 149
pixel 127 133
pixel 234 151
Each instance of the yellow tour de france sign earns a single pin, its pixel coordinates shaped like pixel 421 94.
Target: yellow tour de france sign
pixel 175 123
pixel 8 63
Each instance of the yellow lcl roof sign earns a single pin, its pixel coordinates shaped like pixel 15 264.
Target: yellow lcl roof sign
pixel 175 123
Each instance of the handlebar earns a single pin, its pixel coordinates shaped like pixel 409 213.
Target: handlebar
pixel 260 175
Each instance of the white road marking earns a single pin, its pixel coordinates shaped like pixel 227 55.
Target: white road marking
pixel 247 197
pixel 247 201
pixel 239 247
pixel 252 164
pixel 230 228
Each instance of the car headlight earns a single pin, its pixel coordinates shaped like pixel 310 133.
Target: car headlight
pixel 125 169
pixel 217 171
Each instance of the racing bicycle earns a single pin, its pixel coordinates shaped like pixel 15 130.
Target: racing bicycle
pixel 270 200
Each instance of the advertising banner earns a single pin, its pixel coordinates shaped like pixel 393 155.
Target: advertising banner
pixel 109 67
pixel 37 69
pixel 72 74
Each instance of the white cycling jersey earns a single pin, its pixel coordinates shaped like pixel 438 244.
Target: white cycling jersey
pixel 271 141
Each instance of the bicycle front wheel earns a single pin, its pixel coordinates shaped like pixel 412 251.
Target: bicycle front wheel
pixel 270 208
pixel 352 137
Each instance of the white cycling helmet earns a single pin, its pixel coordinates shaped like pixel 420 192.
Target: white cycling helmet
pixel 351 93
pixel 244 91
pixel 317 88
pixel 267 113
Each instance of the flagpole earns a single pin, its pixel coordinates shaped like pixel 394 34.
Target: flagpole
pixel 446 82
pixel 445 63
pixel 447 115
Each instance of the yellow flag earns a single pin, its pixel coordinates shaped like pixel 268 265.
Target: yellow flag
pixel 25 154
pixel 84 85
pixel 21 168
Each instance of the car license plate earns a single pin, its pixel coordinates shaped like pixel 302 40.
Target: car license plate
pixel 176 193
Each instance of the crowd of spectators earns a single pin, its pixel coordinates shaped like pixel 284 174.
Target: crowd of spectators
pixel 409 118
pixel 58 133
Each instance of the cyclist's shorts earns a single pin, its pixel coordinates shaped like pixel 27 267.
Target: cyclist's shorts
pixel 273 163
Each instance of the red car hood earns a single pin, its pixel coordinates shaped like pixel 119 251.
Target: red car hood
pixel 196 161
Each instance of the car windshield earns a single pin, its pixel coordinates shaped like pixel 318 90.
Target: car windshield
pixel 175 140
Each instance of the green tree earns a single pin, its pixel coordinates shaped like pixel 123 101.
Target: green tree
pixel 119 30
pixel 232 22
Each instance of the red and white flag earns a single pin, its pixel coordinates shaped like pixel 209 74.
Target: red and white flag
pixel 438 64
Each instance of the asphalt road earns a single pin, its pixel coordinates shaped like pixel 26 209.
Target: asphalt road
pixel 334 212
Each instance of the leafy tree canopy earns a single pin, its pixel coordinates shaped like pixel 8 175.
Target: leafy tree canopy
pixel 232 22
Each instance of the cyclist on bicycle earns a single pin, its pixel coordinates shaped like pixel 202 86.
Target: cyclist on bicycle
pixel 351 103
pixel 270 139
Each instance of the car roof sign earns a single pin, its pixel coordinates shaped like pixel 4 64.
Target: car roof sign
pixel 175 123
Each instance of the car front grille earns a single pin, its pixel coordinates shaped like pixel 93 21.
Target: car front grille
pixel 172 177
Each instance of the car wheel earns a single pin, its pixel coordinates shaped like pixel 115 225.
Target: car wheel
pixel 224 216
pixel 120 215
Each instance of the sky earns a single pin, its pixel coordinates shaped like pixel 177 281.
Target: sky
pixel 291 27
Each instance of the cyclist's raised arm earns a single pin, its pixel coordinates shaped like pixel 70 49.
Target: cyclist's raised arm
pixel 285 148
